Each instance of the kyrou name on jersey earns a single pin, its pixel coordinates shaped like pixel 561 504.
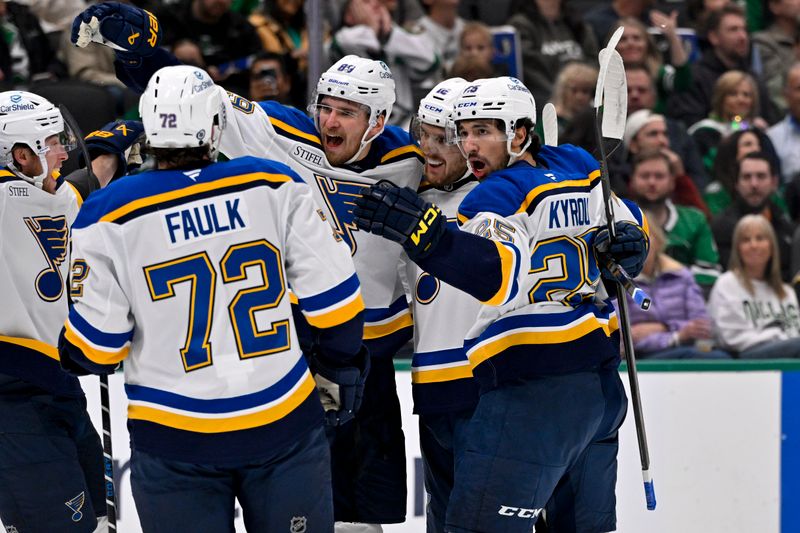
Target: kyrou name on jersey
pixel 201 220
pixel 569 212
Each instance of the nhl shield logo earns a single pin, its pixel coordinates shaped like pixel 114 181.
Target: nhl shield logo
pixel 298 524
pixel 75 505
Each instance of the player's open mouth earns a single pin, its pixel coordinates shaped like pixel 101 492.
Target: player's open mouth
pixel 434 163
pixel 477 165
pixel 333 141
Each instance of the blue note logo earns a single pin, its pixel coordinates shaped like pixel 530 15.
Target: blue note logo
pixel 51 235
pixel 340 195
pixel 75 505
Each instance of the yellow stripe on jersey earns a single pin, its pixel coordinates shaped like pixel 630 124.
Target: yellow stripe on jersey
pixel 32 344
pixel 294 131
pixel 507 266
pixel 531 197
pixel 400 151
pixel 77 194
pixel 337 316
pixel 6 173
pixel 441 374
pixel 101 357
pixel 381 330
pixel 462 219
pixel 543 336
pixel 221 425
pixel 194 189
pixel 293 298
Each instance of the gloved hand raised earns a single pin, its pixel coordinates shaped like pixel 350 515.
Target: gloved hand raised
pixel 116 138
pixel 341 389
pixel 400 215
pixel 128 29
pixel 628 249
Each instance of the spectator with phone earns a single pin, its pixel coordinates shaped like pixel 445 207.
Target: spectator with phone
pixel 269 79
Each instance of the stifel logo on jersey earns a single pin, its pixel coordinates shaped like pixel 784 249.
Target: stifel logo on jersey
pixel 204 219
pixel 51 236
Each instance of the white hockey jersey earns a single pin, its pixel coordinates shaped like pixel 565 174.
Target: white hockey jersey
pixel 282 133
pixel 186 279
pixel 441 376
pixel 34 267
pixel 546 317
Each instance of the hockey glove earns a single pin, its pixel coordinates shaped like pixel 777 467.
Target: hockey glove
pixel 628 249
pixel 400 215
pixel 131 31
pixel 116 138
pixel 341 389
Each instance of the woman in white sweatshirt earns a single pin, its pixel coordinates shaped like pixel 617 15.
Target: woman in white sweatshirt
pixel 753 311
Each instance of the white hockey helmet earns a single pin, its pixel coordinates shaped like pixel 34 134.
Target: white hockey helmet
pixel 436 108
pixel 503 98
pixel 361 80
pixel 29 119
pixel 182 107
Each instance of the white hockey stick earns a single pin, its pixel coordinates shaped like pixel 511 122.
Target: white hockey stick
pixel 550 125
pixel 611 102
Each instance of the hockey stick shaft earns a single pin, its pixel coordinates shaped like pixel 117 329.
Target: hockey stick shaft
pixel 611 97
pixel 105 403
pixel 108 454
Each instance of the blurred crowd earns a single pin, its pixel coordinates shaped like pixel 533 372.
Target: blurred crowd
pixel 711 148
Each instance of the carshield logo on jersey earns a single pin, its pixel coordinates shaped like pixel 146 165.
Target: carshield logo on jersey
pixel 339 195
pixel 204 219
pixel 518 512
pixel 51 235
pixel 75 505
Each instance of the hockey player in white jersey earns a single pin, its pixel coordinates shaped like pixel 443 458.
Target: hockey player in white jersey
pixel 545 347
pixel 444 391
pixel 51 462
pixel 343 147
pixel 186 275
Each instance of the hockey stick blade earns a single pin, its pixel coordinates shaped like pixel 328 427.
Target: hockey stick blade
pixel 550 125
pixel 615 98
pixel 603 58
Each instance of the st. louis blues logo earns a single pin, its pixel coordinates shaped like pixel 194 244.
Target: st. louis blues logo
pixel 339 195
pixel 75 505
pixel 51 235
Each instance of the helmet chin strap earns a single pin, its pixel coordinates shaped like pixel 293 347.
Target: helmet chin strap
pixel 514 156
pixel 364 141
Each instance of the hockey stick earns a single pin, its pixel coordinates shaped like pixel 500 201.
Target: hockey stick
pixel 550 125
pixel 105 403
pixel 611 102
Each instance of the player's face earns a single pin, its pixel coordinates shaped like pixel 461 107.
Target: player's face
pixel 341 126
pixel 739 102
pixel 56 154
pixel 652 182
pixel 755 249
pixel 755 182
pixel 444 163
pixel 484 146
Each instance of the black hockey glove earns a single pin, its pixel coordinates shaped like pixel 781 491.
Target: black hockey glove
pixel 133 32
pixel 341 389
pixel 400 215
pixel 628 249
pixel 116 138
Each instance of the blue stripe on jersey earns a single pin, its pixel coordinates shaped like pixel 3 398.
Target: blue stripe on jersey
pixel 378 314
pixel 394 144
pixel 112 341
pixel 439 357
pixel 331 296
pixel 140 187
pixel 221 405
pixel 635 211
pixel 20 358
pixel 444 396
pixel 290 116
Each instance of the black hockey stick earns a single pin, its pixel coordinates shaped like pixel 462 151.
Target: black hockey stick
pixel 105 403
pixel 611 103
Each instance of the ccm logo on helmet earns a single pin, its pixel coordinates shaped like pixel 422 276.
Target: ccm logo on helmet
pixel 518 512
pixel 431 107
